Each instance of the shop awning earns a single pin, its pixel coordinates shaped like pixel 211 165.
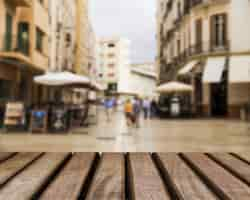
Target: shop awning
pixel 188 68
pixel 239 69
pixel 171 87
pixel 214 69
pixel 62 79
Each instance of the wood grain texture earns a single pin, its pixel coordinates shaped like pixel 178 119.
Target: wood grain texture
pixel 244 156
pixel 29 181
pixel 187 184
pixel 69 182
pixel 13 165
pixel 109 180
pixel 236 166
pixel 147 184
pixel 229 186
pixel 5 156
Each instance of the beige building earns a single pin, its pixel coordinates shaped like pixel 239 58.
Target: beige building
pixel 207 43
pixel 62 34
pixel 24 28
pixel 82 29
pixel 114 63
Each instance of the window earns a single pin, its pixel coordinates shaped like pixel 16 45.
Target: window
pixel 111 75
pixel 111 55
pixel 198 35
pixel 111 45
pixel 41 2
pixel 39 40
pixel 218 30
pixel 111 65
pixel 5 88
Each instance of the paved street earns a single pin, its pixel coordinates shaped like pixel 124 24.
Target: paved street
pixel 153 136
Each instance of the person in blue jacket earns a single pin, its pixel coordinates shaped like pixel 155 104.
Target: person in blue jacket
pixel 108 105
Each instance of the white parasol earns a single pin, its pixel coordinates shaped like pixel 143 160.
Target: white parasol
pixel 61 79
pixel 175 87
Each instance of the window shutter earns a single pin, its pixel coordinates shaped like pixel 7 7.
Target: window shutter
pixel 225 36
pixel 212 32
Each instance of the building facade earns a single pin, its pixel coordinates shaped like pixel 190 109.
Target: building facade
pixel 24 30
pixel 143 80
pixel 81 65
pixel 62 34
pixel 206 43
pixel 114 64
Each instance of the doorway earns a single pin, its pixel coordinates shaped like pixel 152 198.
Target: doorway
pixel 198 93
pixel 218 97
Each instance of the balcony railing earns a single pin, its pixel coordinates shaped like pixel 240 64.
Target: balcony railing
pixel 205 48
pixel 10 43
pixel 25 3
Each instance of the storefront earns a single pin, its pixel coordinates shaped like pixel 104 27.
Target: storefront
pixel 221 85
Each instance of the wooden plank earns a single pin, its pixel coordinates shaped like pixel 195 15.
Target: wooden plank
pixel 12 166
pixel 235 166
pixel 109 180
pixel 243 156
pixel 221 181
pixel 69 182
pixel 185 182
pixel 5 156
pixel 27 183
pixel 145 181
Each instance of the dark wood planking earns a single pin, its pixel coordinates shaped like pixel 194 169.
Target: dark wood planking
pixel 220 180
pixel 5 156
pixel 27 183
pixel 109 180
pixel 239 168
pixel 13 165
pixel 146 183
pixel 69 182
pixel 187 184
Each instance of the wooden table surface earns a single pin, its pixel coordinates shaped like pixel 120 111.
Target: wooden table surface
pixel 118 176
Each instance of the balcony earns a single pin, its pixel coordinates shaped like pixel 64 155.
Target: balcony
pixel 208 48
pixel 13 46
pixel 22 3
pixel 169 71
pixel 205 3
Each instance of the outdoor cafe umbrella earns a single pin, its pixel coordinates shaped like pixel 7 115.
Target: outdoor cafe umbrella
pixel 174 87
pixel 62 79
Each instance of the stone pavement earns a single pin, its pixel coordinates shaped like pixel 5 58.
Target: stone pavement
pixel 153 136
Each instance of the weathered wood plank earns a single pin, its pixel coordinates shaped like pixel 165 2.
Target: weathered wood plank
pixel 244 156
pixel 5 156
pixel 27 183
pixel 146 183
pixel 234 165
pixel 109 180
pixel 186 183
pixel 69 182
pixel 12 166
pixel 220 180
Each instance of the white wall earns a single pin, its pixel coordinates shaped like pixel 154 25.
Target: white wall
pixel 143 85
pixel 239 25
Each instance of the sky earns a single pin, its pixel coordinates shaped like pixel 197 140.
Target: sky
pixel 132 19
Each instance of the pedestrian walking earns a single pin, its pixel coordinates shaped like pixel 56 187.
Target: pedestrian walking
pixel 153 108
pixel 128 110
pixel 137 111
pixel 108 104
pixel 146 108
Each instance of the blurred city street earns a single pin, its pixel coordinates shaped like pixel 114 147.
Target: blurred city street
pixel 154 136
